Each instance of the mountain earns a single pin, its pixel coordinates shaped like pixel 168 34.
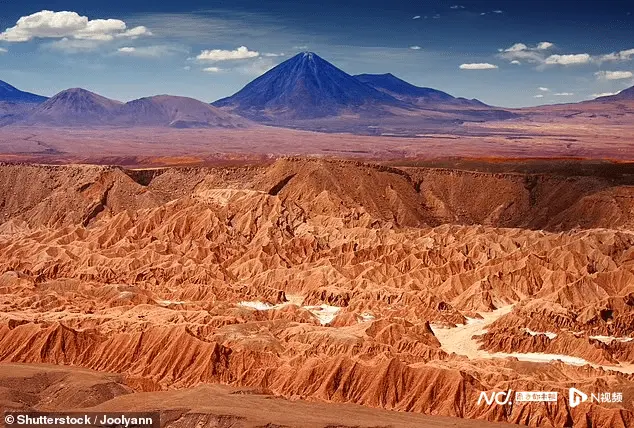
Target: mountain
pixel 74 107
pixel 624 95
pixel 404 91
pixel 78 107
pixel 11 94
pixel 177 112
pixel 307 87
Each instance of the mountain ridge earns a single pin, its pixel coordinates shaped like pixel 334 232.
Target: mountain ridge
pixel 80 107
pixel 9 93
pixel 417 95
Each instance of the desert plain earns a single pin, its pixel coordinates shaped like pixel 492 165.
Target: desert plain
pixel 282 278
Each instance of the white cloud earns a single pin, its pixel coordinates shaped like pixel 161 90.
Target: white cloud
pixel 3 50
pixel 136 32
pixel 571 59
pixel 456 6
pixel 416 17
pixel 541 88
pixel 498 11
pixel 478 66
pixel 483 13
pixel 563 94
pixel 223 55
pixel 624 55
pixel 613 75
pixel 416 48
pixel 187 68
pixel 604 94
pixel 155 51
pixel 515 62
pixel 212 69
pixel 538 96
pixel 517 47
pixel 70 25
pixel 273 55
pixel 522 52
pixel 544 45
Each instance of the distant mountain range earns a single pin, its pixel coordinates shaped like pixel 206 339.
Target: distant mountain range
pixel 305 92
pixel 79 107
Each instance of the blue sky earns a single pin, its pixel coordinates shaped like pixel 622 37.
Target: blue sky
pixel 507 53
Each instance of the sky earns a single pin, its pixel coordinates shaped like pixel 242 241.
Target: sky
pixel 505 53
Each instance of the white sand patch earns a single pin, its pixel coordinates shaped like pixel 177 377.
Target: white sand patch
pixel 609 339
pixel 170 302
pixel 538 357
pixel 257 305
pixel 366 317
pixel 459 340
pixel 325 313
pixel 548 334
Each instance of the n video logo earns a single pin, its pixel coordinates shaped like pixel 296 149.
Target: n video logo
pixel 576 397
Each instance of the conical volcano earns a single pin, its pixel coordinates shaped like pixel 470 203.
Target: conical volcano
pixel 306 87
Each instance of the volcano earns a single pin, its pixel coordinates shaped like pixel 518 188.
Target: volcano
pixel 74 107
pixel 307 87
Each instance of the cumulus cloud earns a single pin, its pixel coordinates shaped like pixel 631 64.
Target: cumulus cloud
pixel 522 52
pixel 515 62
pixel 478 66
pixel 416 48
pixel 212 69
pixel 613 75
pixel 541 88
pixel 563 94
pixel 69 25
pixel 539 54
pixel 571 59
pixel 624 55
pixel 224 55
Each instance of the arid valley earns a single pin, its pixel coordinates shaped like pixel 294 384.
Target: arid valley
pixel 410 289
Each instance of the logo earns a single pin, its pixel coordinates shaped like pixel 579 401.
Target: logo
pixel 501 398
pixel 576 397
